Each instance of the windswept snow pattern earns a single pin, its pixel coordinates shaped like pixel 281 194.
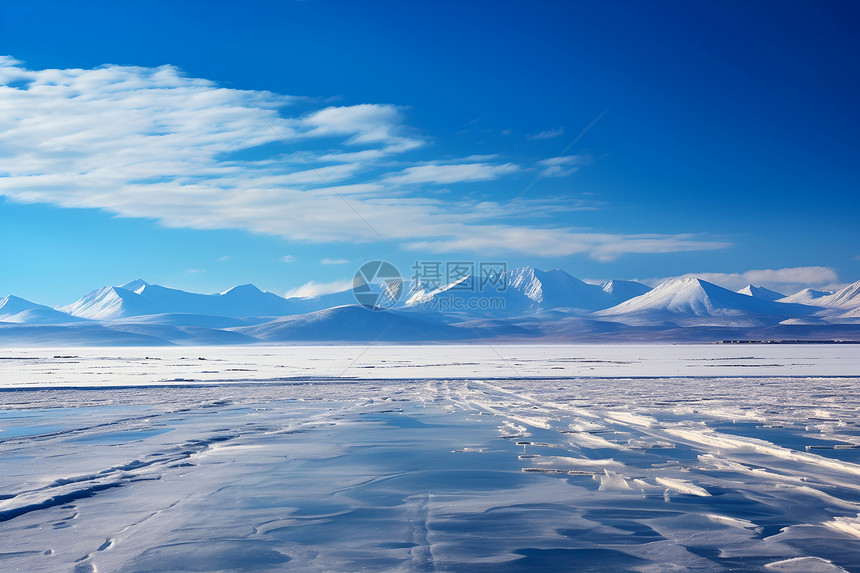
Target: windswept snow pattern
pixel 516 471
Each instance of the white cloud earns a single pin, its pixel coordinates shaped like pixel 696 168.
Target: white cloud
pixel 562 166
pixel 446 174
pixel 327 261
pixel 786 280
pixel 154 143
pixel 312 288
pixel 364 124
pixel 562 242
pixel 547 134
pixel 812 275
pixel 288 259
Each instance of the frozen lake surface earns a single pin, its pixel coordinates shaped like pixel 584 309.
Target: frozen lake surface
pixel 627 458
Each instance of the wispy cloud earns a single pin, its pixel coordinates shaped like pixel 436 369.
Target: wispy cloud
pixel 562 242
pixel 364 124
pixel 328 261
pixel 288 259
pixel 155 143
pixel 312 288
pixel 786 279
pixel 447 174
pixel 562 166
pixel 547 134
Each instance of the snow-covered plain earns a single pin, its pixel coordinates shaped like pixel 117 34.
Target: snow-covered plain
pixel 479 458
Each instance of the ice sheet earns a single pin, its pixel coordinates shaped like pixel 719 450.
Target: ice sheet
pixel 494 473
pixel 190 365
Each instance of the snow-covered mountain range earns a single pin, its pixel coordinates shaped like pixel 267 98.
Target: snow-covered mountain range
pixel 141 298
pixel 18 310
pixel 520 305
pixel 694 302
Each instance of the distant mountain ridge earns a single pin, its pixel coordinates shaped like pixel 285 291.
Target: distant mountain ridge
pixel 624 290
pixel 528 304
pixel 806 296
pixel 21 311
pixel 761 292
pixel 111 303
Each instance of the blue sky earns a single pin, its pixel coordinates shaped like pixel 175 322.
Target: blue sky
pixel 205 145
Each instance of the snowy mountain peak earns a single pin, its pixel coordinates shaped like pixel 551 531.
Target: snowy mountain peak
pixel 557 289
pixel 105 303
pixel 19 310
pixel 538 285
pixel 112 303
pixel 693 301
pixel 522 290
pixel 420 293
pixel 624 290
pixel 685 281
pixel 806 296
pixel 135 285
pixel 761 292
pixel 14 304
pixel 526 271
pixel 242 290
pixel 518 304
pixel 849 297
pixel 524 279
pixel 689 286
